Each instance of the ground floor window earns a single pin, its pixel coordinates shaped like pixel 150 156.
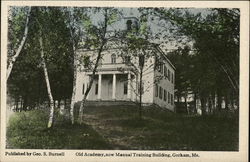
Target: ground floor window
pixel 164 96
pixel 125 89
pixel 160 94
pixel 96 89
pixel 172 99
pixel 142 88
pixel 156 90
pixel 168 97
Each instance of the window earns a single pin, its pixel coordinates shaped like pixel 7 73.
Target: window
pixel 164 96
pixel 96 89
pixel 141 60
pixel 113 59
pixel 161 67
pixel 172 100
pixel 129 25
pixel 172 78
pixel 156 90
pixel 168 75
pixel 142 87
pixel 83 88
pixel 165 71
pixel 160 94
pixel 86 61
pixel 127 59
pixel 168 97
pixel 156 63
pixel 125 89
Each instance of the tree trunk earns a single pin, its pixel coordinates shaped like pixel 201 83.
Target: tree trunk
pixel 178 99
pixel 140 95
pixel 210 104
pixel 186 106
pixel 51 101
pixel 226 102
pixel 195 107
pixel 25 102
pixel 213 103
pixel 219 100
pixel 21 104
pixel 72 103
pixel 16 103
pixel 82 105
pixel 13 59
pixel 103 41
pixel 203 105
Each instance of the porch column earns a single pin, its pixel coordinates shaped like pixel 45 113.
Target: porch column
pixel 99 86
pixel 114 86
pixel 129 85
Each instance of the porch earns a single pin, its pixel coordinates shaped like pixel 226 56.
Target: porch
pixel 110 86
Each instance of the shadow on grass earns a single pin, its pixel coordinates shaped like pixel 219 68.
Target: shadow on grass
pixel 27 130
pixel 118 127
pixel 160 129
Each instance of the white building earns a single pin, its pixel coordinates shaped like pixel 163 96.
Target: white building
pixel 117 80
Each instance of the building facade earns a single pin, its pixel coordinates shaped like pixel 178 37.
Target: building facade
pixel 117 79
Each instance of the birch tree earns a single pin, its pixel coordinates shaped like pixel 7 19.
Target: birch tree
pixel 14 20
pixel 97 38
pixel 40 12
pixel 75 17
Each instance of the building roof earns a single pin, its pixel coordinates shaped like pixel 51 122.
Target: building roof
pixel 164 55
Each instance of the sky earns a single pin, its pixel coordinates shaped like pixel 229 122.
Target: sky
pixel 168 43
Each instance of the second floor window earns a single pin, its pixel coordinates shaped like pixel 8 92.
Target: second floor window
pixel 165 71
pixel 169 75
pixel 86 61
pixel 172 78
pixel 127 59
pixel 113 59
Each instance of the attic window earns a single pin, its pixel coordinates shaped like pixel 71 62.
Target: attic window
pixel 129 24
pixel 113 59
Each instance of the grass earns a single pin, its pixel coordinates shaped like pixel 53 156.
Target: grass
pixel 118 127
pixel 28 130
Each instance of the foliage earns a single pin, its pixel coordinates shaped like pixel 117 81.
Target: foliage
pixel 27 80
pixel 16 25
pixel 214 51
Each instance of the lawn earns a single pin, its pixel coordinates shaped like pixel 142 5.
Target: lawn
pixel 118 127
